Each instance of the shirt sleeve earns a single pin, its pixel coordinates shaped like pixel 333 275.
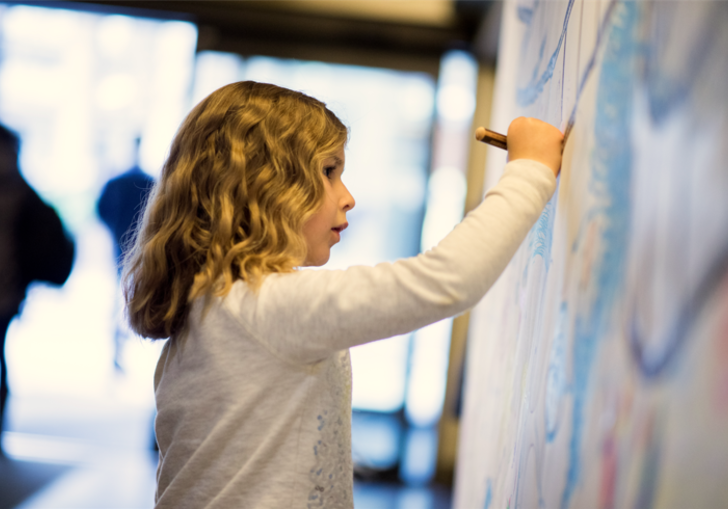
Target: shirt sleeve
pixel 307 315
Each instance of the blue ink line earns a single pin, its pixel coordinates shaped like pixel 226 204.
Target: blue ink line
pixel 589 67
pixel 563 78
pixel 528 95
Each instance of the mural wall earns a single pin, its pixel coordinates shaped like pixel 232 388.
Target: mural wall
pixel 597 366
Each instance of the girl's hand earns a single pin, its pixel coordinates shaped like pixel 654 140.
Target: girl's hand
pixel 530 138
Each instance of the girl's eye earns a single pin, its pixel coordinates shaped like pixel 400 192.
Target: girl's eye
pixel 329 170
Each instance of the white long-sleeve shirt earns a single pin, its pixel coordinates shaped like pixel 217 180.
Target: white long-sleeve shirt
pixel 254 400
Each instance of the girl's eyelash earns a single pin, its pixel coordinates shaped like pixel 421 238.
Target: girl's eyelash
pixel 328 170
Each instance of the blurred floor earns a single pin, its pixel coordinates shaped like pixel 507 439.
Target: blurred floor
pixel 63 453
pixel 78 474
pixel 92 454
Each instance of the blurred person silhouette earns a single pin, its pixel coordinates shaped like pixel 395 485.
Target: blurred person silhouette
pixel 119 206
pixel 34 246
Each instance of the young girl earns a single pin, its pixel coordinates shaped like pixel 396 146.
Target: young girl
pixel 253 387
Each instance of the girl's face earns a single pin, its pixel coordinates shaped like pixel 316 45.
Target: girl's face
pixel 323 229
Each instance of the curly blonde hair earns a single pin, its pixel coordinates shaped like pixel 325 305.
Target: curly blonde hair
pixel 242 177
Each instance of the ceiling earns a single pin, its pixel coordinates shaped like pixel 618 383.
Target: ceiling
pixel 404 34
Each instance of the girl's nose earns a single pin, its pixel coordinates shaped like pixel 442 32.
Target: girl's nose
pixel 347 200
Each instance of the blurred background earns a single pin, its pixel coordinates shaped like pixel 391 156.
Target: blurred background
pixel 96 91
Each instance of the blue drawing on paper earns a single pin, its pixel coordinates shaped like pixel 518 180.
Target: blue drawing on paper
pixel 611 168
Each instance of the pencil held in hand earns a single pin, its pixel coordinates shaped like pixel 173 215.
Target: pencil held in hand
pixel 491 138
pixel 530 139
pixel 534 139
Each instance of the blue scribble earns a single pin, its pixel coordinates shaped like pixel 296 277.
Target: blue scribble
pixel 488 495
pixel 525 14
pixel 653 362
pixel 611 170
pixel 666 91
pixel 541 51
pixel 589 67
pixel 542 234
pixel 528 94
pixel 533 8
pixel 556 383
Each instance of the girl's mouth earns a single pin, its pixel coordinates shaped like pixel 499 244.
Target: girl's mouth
pixel 340 228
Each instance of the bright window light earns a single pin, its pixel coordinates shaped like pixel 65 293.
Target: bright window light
pixel 213 70
pixel 173 49
pixel 79 88
pixel 456 91
pixel 379 366
pixel 426 388
pixel 116 91
pixel 115 35
pixel 445 204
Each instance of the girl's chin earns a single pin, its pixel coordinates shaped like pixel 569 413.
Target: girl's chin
pixel 317 261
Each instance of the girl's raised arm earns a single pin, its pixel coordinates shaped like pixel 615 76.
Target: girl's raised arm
pixel 307 315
